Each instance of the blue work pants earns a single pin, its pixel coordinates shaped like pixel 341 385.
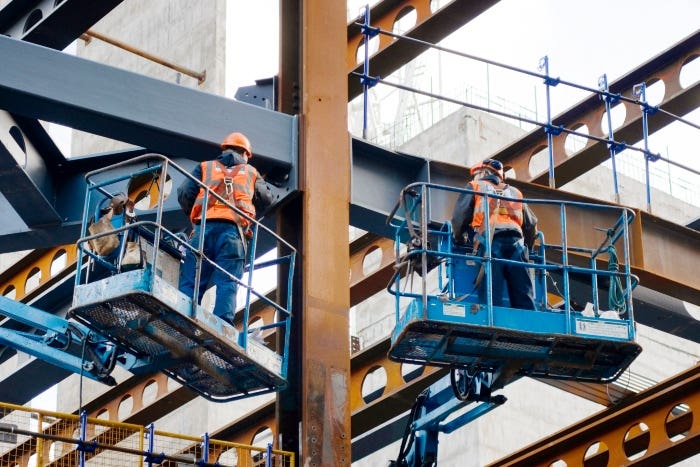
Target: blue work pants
pixel 509 245
pixel 222 245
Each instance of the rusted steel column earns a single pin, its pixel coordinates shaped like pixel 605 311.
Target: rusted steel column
pixel 324 170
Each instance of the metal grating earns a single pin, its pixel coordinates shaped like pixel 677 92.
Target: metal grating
pixel 485 349
pixel 208 362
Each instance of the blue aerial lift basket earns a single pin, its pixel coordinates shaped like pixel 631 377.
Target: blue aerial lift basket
pixel 443 323
pixel 141 309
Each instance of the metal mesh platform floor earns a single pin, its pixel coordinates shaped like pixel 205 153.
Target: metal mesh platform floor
pixel 208 361
pixel 484 348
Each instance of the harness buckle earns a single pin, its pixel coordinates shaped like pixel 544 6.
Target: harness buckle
pixel 228 183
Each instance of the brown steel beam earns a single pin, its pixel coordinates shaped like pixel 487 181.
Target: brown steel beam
pixel 371 266
pixel 392 54
pixel 665 67
pixel 663 255
pixel 397 390
pixel 657 427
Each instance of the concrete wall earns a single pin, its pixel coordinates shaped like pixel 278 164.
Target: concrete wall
pixel 188 33
pixel 464 137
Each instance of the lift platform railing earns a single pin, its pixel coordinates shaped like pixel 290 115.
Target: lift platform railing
pixel 162 251
pixel 439 321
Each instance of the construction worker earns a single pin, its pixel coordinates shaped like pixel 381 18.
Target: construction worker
pixel 512 228
pixel 226 231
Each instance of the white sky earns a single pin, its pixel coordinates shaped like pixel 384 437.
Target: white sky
pixel 583 40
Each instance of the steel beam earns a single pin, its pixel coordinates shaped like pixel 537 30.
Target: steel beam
pixel 136 109
pixel 50 23
pixel 325 174
pixel 662 254
pixel 25 181
pixel 121 105
pixel 677 100
pixel 658 427
pixel 391 54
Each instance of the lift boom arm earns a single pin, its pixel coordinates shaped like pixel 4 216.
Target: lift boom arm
pixel 443 398
pixel 66 344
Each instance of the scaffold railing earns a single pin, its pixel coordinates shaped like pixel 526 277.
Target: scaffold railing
pixel 608 98
pixel 41 438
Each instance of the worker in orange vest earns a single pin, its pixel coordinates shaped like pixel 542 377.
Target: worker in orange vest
pixel 512 228
pixel 226 231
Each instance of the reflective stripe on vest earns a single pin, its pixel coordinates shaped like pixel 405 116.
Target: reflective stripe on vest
pixel 503 214
pixel 235 184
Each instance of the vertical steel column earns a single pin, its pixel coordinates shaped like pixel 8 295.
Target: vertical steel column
pixel 325 185
pixel 288 410
pixel 322 227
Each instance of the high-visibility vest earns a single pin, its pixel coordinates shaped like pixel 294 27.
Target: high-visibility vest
pixel 503 214
pixel 235 184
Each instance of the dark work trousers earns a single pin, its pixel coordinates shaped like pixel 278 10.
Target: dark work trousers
pixel 222 245
pixel 508 244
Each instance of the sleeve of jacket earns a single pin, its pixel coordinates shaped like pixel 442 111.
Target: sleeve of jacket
pixel 188 190
pixel 263 197
pixel 462 216
pixel 529 226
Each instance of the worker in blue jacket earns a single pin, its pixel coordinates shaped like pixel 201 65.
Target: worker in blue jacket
pixel 226 230
pixel 512 229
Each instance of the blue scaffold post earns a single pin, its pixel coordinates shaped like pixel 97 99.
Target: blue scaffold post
pixel 549 129
pixel 368 32
pixel 614 148
pixel 151 457
pixel 83 445
pixel 640 92
pixel 205 449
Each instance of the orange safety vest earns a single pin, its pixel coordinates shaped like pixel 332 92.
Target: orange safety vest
pixel 235 184
pixel 503 214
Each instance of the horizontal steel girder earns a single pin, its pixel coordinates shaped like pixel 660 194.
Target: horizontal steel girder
pixel 50 23
pixel 663 254
pixel 391 54
pixel 677 100
pixel 165 118
pixel 641 428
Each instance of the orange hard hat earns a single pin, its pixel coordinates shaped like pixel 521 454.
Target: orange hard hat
pixel 492 165
pixel 237 140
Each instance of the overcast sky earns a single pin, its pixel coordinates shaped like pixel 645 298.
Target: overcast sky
pixel 582 39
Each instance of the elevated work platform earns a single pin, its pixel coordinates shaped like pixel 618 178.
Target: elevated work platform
pixel 462 316
pixel 139 307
